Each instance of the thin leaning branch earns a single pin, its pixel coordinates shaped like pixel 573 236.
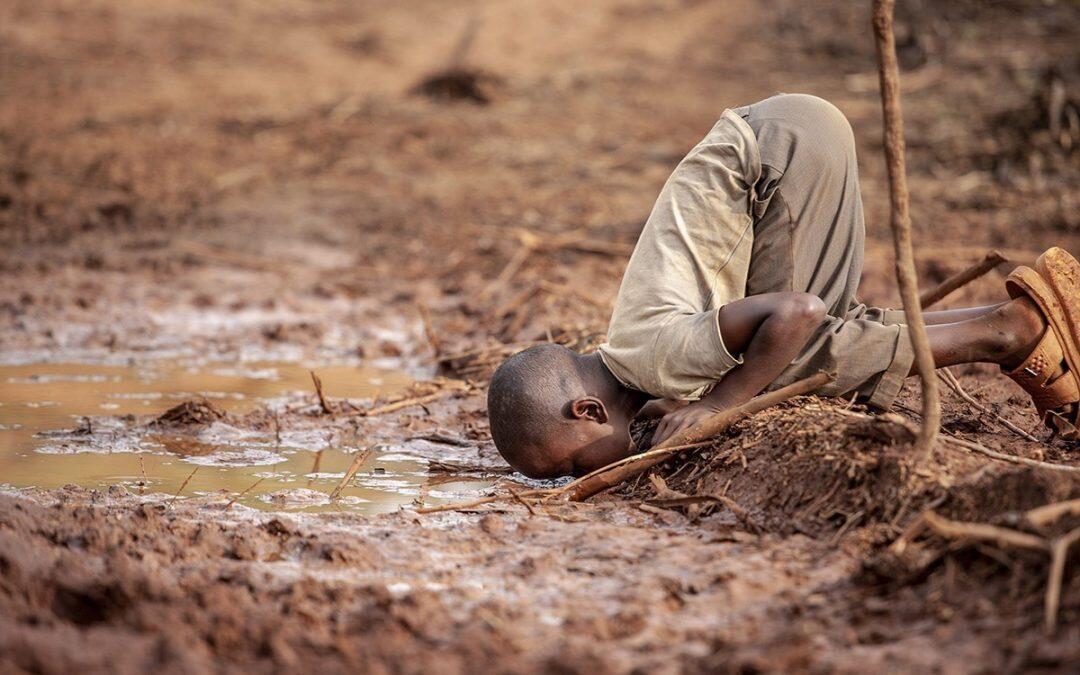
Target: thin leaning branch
pixel 962 278
pixel 889 74
pixel 948 378
pixel 614 474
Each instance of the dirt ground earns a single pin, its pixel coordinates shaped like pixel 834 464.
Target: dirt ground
pixel 307 179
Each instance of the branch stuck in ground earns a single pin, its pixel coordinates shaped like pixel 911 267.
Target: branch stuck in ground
pixel 319 393
pixel 907 280
pixel 358 460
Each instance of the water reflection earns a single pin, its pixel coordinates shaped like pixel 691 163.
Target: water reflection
pixel 64 424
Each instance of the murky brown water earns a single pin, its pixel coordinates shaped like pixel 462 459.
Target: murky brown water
pixel 41 403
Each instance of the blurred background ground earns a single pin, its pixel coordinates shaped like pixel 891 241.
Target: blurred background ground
pixel 286 158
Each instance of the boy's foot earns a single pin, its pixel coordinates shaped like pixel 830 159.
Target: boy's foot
pixel 1051 372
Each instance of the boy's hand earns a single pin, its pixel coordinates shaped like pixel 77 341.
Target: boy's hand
pixel 681 419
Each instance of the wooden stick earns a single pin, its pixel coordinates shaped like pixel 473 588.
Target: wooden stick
pixel 142 472
pixel 521 500
pixel 1002 536
pixel 962 278
pixel 616 473
pixel 893 418
pixel 889 73
pixel 409 402
pixel 666 451
pixel 946 375
pixel 461 506
pixel 508 272
pixel 1059 551
pixel 1051 513
pixel 429 329
pixel 241 495
pixel 358 460
pixel 182 486
pixel 227 257
pixel 562 290
pixel 982 449
pixel 318 391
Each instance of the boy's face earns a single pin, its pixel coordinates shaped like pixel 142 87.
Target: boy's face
pixel 587 443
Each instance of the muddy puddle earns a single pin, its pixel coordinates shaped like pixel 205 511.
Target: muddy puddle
pixel 64 424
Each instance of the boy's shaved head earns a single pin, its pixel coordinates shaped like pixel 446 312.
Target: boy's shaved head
pixel 527 406
pixel 554 412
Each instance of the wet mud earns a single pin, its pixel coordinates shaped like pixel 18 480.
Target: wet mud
pixel 418 190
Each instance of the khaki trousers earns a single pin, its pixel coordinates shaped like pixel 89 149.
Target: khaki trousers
pixel 808 236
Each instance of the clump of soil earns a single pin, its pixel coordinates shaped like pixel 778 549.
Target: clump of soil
pixel 459 84
pixel 197 412
pixel 813 466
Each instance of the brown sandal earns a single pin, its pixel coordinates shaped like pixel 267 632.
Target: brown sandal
pixel 1049 373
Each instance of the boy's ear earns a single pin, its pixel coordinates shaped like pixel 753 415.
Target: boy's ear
pixel 589 408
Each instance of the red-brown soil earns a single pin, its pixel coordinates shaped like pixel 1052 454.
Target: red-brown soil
pixel 298 179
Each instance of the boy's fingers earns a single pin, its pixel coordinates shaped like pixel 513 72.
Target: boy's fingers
pixel 661 431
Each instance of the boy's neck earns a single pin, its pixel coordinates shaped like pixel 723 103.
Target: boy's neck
pixel 611 389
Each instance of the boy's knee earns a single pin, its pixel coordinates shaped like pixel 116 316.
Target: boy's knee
pixel 804 310
pixel 832 149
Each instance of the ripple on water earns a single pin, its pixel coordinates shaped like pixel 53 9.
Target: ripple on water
pixel 302 498
pixel 237 457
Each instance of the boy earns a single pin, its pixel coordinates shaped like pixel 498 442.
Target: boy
pixel 743 279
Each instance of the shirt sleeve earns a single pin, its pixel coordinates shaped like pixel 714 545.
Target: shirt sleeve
pixel 690 356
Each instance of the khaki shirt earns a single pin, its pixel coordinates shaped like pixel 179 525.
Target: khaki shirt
pixel 692 258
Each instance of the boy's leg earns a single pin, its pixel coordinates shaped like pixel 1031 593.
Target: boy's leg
pixel 808 237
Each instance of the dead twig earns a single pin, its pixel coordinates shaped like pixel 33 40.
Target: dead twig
pixel 991 260
pixel 445 439
pixel 443 466
pixel 429 329
pixel 142 472
pixel 889 73
pixel 1002 536
pixel 182 486
pixel 241 495
pixel 464 506
pixel 1049 514
pixel 562 290
pixel 947 376
pixel 409 402
pixel 1059 552
pixel 955 529
pixel 319 392
pixel 982 449
pixel 359 458
pixel 227 257
pixel 529 243
pixel 521 500
pixel 951 440
pixel 315 465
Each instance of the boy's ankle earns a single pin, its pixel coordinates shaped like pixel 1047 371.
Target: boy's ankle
pixel 1025 327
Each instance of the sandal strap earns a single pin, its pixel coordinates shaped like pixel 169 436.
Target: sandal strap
pixel 1035 374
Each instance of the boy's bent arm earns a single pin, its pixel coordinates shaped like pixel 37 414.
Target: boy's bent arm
pixel 770 330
